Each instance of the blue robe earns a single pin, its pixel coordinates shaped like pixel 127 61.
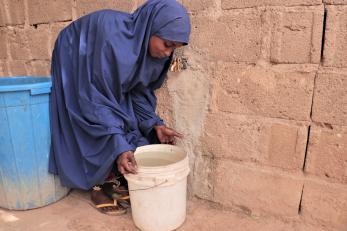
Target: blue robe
pixel 103 82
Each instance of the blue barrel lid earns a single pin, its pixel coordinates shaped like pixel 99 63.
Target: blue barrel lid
pixel 36 85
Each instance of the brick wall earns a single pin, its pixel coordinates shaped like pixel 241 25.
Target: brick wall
pixel 262 104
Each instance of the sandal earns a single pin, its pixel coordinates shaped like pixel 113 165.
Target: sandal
pixel 117 192
pixel 124 202
pixel 104 204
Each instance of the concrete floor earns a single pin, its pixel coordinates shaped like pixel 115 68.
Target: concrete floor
pixel 75 212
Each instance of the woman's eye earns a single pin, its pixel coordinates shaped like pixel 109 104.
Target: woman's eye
pixel 168 45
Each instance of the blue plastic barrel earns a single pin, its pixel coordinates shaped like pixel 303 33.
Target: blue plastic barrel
pixel 24 144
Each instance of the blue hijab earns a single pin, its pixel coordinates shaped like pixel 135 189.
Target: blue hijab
pixel 102 101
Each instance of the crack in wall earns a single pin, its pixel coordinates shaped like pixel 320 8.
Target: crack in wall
pixel 323 33
pixel 314 86
pixel 300 202
pixel 306 149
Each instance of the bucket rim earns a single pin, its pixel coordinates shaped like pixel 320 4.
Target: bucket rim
pixel 146 148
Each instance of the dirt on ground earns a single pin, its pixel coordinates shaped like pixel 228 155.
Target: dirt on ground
pixel 76 213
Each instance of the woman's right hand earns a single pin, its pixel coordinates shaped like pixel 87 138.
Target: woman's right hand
pixel 126 163
pixel 167 135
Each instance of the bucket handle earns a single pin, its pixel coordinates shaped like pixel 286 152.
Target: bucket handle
pixel 154 186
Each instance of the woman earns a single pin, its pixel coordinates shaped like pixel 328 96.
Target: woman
pixel 105 67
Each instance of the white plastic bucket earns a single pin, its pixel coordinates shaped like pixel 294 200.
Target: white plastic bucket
pixel 158 191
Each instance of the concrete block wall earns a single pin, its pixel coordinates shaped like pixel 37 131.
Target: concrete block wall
pixel 262 103
pixel 271 79
pixel 28 29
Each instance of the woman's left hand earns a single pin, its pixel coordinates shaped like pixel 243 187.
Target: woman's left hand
pixel 167 135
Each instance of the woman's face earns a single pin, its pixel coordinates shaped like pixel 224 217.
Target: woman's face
pixel 161 48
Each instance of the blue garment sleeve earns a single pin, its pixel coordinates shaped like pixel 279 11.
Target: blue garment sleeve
pixel 122 145
pixel 144 104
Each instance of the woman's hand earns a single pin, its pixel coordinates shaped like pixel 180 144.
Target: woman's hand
pixel 126 163
pixel 167 135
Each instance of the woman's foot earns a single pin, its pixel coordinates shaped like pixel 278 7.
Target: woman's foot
pixel 115 190
pixel 118 192
pixel 104 204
